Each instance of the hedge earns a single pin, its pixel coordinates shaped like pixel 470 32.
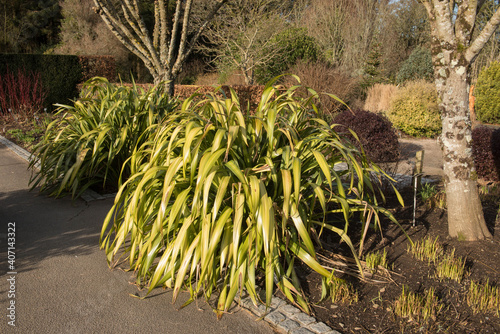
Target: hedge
pixel 60 74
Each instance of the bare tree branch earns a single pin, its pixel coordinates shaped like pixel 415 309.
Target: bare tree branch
pixel 478 43
pixel 443 17
pixel 464 22
pixel 242 34
pixel 175 32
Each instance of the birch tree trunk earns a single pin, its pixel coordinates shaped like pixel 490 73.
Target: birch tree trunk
pixel 465 214
pixel 452 24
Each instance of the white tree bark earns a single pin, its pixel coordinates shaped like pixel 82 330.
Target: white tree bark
pixel 452 24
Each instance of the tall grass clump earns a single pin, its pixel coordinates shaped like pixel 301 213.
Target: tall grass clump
pixel 484 298
pixel 379 97
pixel 417 307
pixel 376 260
pixel 92 140
pixel 218 197
pixel 427 250
pixel 451 267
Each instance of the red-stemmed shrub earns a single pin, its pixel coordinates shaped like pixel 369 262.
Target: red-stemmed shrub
pixel 21 94
pixel 375 133
pixel 486 152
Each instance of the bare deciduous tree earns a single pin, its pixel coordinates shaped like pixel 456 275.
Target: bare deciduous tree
pixel 165 50
pixel 491 51
pixel 243 35
pixel 453 51
pixel 404 26
pixel 344 28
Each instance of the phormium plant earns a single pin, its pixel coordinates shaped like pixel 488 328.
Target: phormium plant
pixel 93 140
pixel 217 196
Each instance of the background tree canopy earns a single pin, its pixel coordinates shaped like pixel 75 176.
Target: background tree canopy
pixel 249 36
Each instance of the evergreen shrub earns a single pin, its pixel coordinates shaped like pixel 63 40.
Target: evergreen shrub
pixel 487 92
pixel 486 152
pixel 295 45
pixel 375 132
pixel 414 110
pixel 417 66
pixel 219 200
pixel 90 144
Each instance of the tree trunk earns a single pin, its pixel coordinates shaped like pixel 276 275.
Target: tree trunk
pixel 168 79
pixel 465 214
pixel 171 88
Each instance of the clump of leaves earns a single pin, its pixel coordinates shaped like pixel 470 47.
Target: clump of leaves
pixel 217 195
pixel 376 259
pixel 432 196
pixel 451 267
pixel 416 307
pixel 93 140
pixel 427 191
pixel 426 250
pixel 483 298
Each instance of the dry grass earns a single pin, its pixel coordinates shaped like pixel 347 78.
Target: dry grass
pixel 342 292
pixel 207 79
pixel 379 96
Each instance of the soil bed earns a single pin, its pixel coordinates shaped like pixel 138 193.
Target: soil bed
pixel 373 313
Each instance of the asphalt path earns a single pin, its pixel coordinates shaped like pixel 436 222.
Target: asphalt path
pixel 55 279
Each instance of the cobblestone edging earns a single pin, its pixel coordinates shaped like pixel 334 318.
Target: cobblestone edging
pixel 287 318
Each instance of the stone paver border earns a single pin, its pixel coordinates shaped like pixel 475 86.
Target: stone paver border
pixel 287 318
